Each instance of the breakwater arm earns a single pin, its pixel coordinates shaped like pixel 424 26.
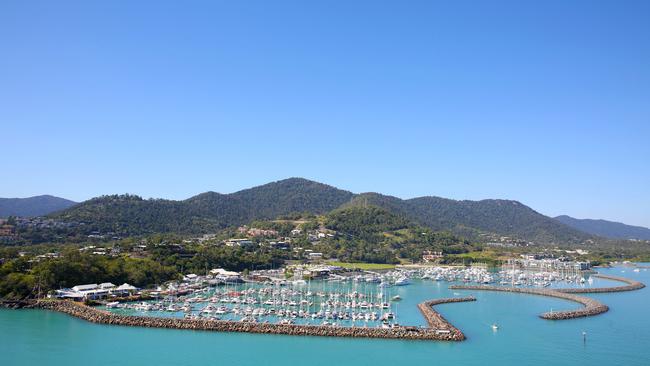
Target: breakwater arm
pixel 95 315
pixel 631 286
pixel 437 321
pixel 591 306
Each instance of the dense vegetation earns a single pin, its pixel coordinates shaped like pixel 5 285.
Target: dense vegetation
pixel 207 212
pixel 26 276
pixel 470 218
pixel 21 278
pixel 375 235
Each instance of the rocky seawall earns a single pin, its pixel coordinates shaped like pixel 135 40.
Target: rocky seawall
pixel 591 306
pixel 437 321
pixel 632 285
pixel 403 332
pixel 17 304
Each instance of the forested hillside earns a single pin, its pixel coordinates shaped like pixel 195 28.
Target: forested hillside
pixel 206 212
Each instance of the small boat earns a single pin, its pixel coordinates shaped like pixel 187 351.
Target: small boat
pixel 113 304
pixel 495 327
pixel 396 298
pixel 402 281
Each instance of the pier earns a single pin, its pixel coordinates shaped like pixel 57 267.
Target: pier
pixel 94 315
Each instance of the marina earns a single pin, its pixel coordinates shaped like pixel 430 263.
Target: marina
pixel 443 332
pixel 514 315
pixel 370 299
pixel 349 306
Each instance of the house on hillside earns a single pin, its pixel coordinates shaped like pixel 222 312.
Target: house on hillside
pixel 431 256
pixel 244 243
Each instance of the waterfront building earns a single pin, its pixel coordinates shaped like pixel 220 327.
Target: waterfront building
pixel 95 291
pixel 226 276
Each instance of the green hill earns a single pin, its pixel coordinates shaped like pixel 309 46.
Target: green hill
pixel 471 218
pixel 210 211
pixel 206 212
pixel 374 234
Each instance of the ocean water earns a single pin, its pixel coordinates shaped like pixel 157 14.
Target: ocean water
pixel 620 336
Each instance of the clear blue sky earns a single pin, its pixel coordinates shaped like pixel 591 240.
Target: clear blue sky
pixel 545 102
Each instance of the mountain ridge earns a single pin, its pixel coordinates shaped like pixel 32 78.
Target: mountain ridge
pixel 606 228
pixel 210 211
pixel 468 218
pixel 33 206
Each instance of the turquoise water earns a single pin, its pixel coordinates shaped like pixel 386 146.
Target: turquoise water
pixel 621 336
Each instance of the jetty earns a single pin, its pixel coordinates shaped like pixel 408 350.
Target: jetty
pixel 439 330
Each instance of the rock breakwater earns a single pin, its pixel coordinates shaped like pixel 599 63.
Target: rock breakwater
pixel 104 317
pixel 632 285
pixel 437 321
pixel 591 306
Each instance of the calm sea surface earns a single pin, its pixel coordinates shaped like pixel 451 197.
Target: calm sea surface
pixel 618 337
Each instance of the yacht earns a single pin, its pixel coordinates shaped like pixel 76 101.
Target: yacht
pixel 402 281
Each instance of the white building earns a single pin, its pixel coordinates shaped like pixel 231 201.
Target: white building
pixel 226 276
pixel 95 291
